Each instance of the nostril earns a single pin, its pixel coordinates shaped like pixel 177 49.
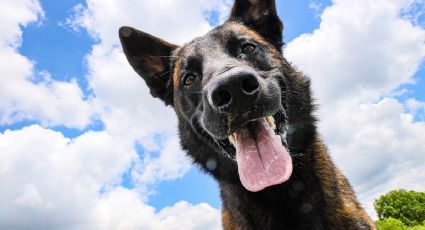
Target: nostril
pixel 221 98
pixel 249 85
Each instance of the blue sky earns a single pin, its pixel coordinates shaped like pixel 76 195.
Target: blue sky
pixel 54 47
pixel 75 43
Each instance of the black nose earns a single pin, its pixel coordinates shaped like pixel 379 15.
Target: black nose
pixel 234 90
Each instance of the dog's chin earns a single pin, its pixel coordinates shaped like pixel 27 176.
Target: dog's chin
pixel 217 142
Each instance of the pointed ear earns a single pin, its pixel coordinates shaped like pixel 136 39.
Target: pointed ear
pixel 261 16
pixel 150 58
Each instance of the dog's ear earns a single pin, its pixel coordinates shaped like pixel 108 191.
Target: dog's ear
pixel 261 16
pixel 150 58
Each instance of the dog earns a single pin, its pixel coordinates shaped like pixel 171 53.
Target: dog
pixel 246 116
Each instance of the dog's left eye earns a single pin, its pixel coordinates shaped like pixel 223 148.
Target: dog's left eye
pixel 189 79
pixel 248 48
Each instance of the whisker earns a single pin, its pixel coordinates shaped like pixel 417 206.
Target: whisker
pixel 165 73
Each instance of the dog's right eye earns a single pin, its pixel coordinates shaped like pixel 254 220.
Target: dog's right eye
pixel 248 48
pixel 189 79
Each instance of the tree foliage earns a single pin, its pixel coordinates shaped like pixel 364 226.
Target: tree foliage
pixel 390 224
pixel 418 227
pixel 403 205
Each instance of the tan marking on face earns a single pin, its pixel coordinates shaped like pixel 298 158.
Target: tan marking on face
pixel 176 74
pixel 241 29
pixel 177 68
pixel 176 83
pixel 275 54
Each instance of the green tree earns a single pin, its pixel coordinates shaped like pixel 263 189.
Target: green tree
pixel 418 227
pixel 403 205
pixel 390 224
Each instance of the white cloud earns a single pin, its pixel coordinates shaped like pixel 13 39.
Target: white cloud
pixel 177 21
pixel 14 13
pixel 170 164
pixel 121 209
pixel 316 7
pixel 55 183
pixel 26 95
pixel 129 111
pixel 414 106
pixel 378 145
pixel 357 59
pixel 48 101
pixel 123 99
pixel 415 12
pixel 362 47
pixel 177 216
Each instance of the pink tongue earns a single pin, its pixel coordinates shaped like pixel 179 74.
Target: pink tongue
pixel 262 160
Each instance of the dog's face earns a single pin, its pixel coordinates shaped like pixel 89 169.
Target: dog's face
pixel 235 95
pixel 225 79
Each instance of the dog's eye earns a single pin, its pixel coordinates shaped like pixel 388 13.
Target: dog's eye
pixel 189 79
pixel 248 48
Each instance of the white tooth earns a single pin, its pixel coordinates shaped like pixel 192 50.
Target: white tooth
pixel 232 139
pixel 271 122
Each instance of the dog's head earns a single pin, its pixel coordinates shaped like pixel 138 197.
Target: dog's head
pixel 243 110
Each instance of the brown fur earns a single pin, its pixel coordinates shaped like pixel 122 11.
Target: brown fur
pixel 337 191
pixel 227 221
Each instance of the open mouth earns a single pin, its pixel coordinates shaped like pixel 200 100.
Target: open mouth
pixel 261 154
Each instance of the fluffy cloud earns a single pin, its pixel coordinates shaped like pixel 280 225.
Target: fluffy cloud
pixel 362 53
pixel 52 181
pixel 26 95
pixel 365 48
pixel 121 209
pixel 379 146
pixel 15 13
pixel 176 21
pixel 169 165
